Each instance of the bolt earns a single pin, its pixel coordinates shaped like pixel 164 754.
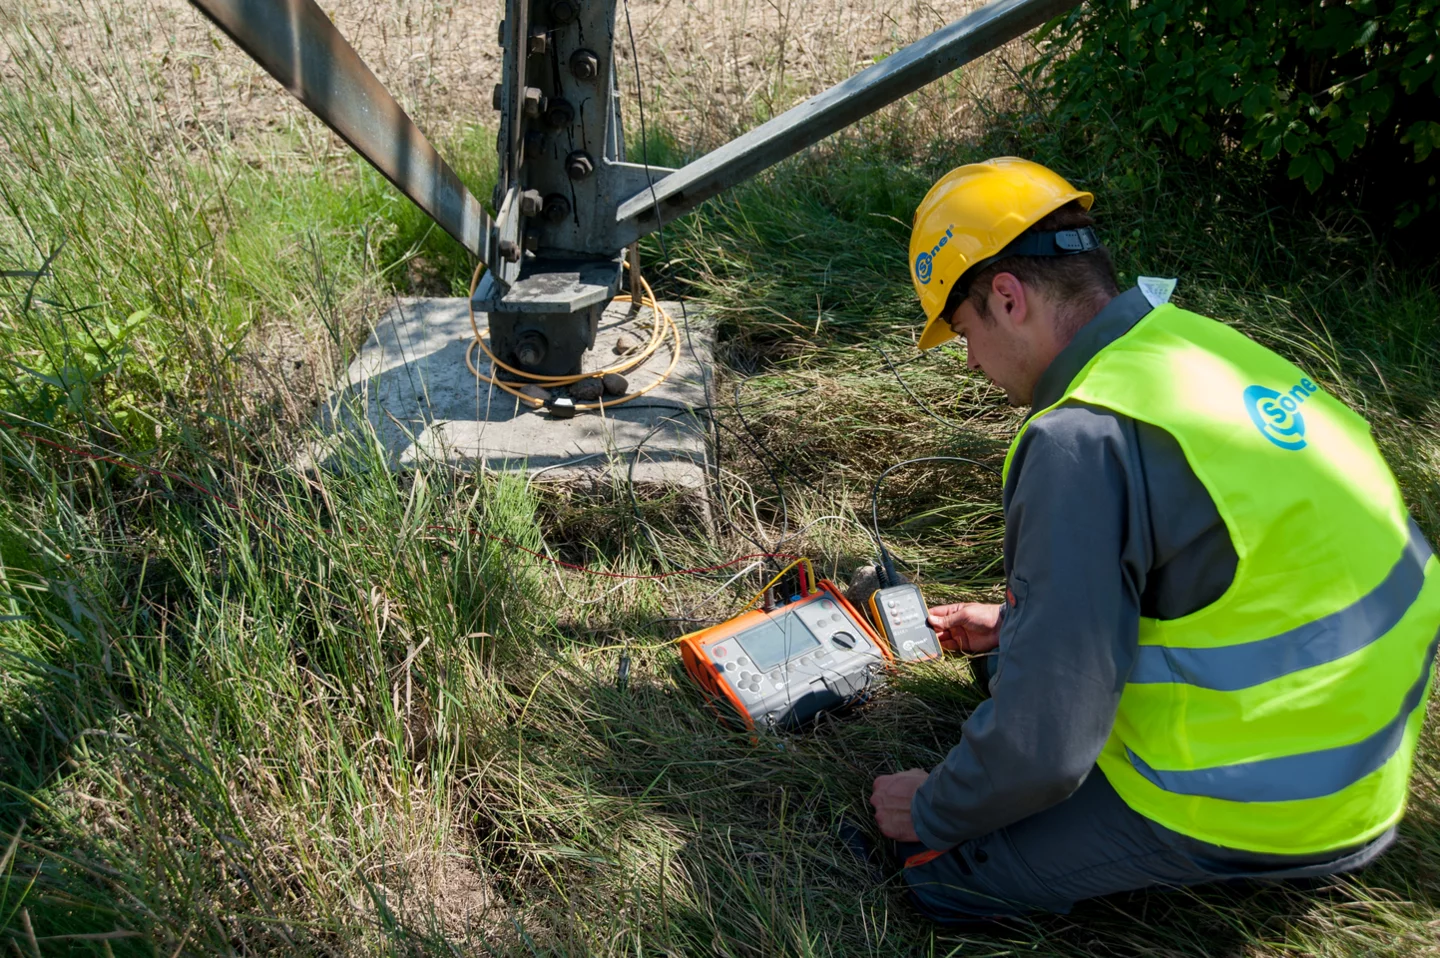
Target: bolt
pixel 509 252
pixel 497 98
pixel 530 203
pixel 579 165
pixel 558 112
pixel 539 42
pixel 501 38
pixel 533 101
pixel 585 64
pixel 530 350
pixel 563 11
pixel 531 240
pixel 556 208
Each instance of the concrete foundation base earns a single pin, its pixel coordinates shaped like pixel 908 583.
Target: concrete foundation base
pixel 411 384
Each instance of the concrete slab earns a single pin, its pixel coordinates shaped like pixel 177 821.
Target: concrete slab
pixel 411 384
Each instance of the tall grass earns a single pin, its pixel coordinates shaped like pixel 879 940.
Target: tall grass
pixel 249 708
pixel 165 254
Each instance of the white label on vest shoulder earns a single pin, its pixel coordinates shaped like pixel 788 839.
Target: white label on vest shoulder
pixel 1157 290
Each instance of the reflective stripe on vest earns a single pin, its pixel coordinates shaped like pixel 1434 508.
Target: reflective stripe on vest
pixel 1283 716
pixel 1231 667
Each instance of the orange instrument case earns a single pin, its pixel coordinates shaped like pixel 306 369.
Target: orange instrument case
pixel 779 668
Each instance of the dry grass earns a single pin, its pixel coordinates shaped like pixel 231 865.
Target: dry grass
pixel 712 68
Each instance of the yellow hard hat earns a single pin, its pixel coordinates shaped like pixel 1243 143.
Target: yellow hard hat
pixel 972 214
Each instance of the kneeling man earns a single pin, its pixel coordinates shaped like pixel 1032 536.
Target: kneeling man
pixel 1215 649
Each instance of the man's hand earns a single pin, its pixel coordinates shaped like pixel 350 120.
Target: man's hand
pixel 967 626
pixel 891 799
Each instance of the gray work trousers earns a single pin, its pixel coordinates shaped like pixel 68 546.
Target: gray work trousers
pixel 1088 845
pixel 1091 844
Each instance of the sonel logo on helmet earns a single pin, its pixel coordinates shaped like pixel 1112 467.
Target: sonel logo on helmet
pixel 1277 415
pixel 925 262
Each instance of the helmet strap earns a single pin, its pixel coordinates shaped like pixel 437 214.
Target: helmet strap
pixel 1043 243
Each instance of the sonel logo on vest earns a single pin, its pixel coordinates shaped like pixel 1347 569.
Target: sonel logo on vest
pixel 925 262
pixel 1277 415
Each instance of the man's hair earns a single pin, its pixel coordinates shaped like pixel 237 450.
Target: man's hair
pixel 1079 284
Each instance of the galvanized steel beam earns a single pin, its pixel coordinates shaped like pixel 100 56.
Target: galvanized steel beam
pixel 298 45
pixel 896 76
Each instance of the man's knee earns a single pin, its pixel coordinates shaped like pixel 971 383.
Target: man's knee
pixel 980 880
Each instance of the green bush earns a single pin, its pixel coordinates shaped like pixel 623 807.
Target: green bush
pixel 1346 95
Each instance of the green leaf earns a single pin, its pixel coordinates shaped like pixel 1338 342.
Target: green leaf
pixel 1306 168
pixel 1425 136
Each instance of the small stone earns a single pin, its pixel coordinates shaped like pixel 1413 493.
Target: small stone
pixel 615 384
pixel 626 344
pixel 535 392
pixel 587 390
pixel 862 585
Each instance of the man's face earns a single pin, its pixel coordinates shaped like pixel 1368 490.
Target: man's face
pixel 995 348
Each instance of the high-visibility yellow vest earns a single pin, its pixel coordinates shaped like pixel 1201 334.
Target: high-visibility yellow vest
pixel 1282 717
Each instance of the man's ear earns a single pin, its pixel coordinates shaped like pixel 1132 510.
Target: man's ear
pixel 1007 298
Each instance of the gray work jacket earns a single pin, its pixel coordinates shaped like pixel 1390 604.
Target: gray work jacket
pixel 1105 522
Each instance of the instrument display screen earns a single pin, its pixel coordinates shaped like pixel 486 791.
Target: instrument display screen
pixel 776 641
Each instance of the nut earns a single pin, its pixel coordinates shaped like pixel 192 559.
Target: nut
pixel 538 42
pixel 501 38
pixel 626 344
pixel 532 101
pixel 587 390
pixel 615 384
pixel 578 165
pixel 509 252
pixel 496 98
pixel 536 392
pixel 531 203
pixel 556 209
pixel 563 11
pixel 585 64
pixel 558 112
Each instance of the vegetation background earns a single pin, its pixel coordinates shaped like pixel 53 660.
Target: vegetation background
pixel 248 708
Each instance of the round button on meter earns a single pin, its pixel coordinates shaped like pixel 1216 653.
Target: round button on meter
pixel 843 640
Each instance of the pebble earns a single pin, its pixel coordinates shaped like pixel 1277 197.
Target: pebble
pixel 587 390
pixel 626 344
pixel 615 384
pixel 535 392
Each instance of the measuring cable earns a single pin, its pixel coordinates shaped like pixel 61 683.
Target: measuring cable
pixel 888 575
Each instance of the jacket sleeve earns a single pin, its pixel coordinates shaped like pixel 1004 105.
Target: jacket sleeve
pixel 1066 644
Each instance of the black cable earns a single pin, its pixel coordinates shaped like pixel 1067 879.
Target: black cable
pixel 917 400
pixel 775 481
pixel 887 563
pixel 635 503
pixel 630 485
pixel 784 466
pixel 665 254
pixel 660 224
